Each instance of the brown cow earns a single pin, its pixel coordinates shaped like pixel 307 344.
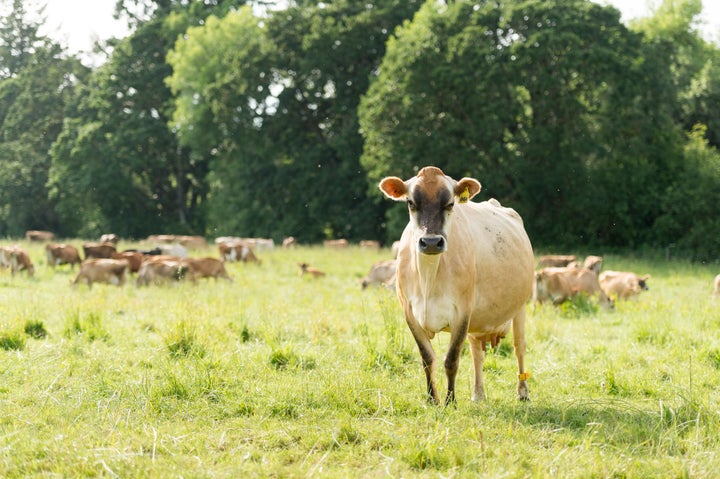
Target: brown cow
pixel 462 267
pixel 716 291
pixel 18 260
pixel 198 268
pixel 59 253
pixel 382 272
pixel 160 271
pixel 623 284
pixel 102 270
pixel 98 250
pixel 134 259
pixel 562 284
pixel 307 269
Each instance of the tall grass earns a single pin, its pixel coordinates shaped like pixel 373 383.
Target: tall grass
pixel 278 375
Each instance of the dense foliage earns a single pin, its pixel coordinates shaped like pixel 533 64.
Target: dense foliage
pixel 218 118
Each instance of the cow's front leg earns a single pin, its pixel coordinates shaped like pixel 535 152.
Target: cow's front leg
pixel 458 334
pixel 427 354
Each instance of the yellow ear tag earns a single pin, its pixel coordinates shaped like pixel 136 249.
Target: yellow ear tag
pixel 465 195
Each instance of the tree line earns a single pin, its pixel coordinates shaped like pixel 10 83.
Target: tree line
pixel 251 119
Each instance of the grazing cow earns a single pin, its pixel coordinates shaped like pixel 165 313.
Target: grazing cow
pixel 289 242
pixel 102 270
pixel 307 269
pixel 336 244
pixel 39 235
pixel 623 284
pixel 382 272
pixel 593 263
pixel 716 291
pixel 562 284
pixel 110 238
pixel 160 271
pixel 134 259
pixel 462 267
pixel 556 260
pixel 237 251
pixel 98 250
pixel 18 260
pixel 60 253
pixel 198 268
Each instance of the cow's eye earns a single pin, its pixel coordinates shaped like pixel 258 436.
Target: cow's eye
pixel 449 207
pixel 411 205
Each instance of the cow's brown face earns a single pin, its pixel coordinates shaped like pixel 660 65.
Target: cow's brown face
pixel 430 207
pixel 431 197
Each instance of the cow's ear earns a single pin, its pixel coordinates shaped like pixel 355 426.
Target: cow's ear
pixel 394 188
pixel 466 189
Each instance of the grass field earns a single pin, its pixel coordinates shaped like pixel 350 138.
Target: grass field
pixel 276 375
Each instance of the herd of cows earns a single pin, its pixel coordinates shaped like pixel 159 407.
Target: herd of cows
pixel 101 262
pixel 478 291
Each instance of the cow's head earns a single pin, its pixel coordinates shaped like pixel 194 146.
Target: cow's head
pixel 431 197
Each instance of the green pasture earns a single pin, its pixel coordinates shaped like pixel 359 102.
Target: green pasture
pixel 277 375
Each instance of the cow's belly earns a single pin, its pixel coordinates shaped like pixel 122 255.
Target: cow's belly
pixel 439 313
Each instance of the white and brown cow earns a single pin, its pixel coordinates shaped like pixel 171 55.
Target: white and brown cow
pixel 623 284
pixel 716 287
pixel 60 253
pixel 102 270
pixel 237 251
pixel 463 267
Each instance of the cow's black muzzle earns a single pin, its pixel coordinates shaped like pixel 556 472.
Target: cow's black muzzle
pixel 432 244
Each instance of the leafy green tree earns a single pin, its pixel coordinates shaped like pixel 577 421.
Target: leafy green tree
pixel 38 83
pixel 274 100
pixel 117 162
pixel 546 103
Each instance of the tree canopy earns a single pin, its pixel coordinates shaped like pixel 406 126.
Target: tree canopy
pixel 221 118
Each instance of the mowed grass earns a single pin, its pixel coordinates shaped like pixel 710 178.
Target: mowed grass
pixel 277 375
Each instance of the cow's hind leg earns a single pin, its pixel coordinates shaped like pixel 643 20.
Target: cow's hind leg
pixel 518 325
pixel 477 351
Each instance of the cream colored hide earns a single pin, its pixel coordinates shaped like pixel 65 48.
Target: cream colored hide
pixel 623 284
pixel 462 267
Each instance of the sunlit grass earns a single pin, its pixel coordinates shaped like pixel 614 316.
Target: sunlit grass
pixel 280 375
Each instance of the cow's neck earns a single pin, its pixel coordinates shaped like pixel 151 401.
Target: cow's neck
pixel 427 266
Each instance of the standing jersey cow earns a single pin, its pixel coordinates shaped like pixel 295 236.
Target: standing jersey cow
pixel 463 267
